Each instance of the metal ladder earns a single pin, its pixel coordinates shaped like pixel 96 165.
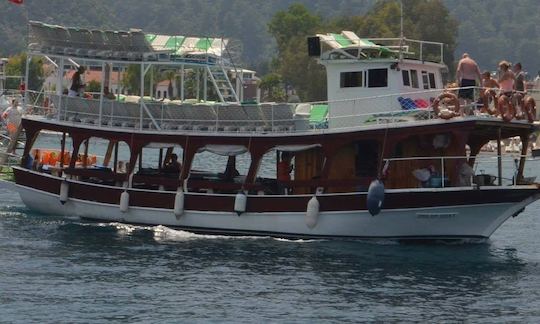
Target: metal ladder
pixel 221 83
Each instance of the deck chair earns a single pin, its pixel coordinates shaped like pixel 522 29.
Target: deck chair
pixel 231 117
pixel 318 117
pixel 255 118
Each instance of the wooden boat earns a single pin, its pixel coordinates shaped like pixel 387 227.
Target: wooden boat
pixel 381 163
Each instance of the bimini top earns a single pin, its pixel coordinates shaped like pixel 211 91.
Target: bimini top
pixel 182 45
pixel 133 45
pixel 349 44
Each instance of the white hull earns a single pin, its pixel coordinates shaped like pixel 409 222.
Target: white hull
pixel 478 221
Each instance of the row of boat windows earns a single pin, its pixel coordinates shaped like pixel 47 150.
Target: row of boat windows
pixel 373 78
pixel 378 78
pixel 410 79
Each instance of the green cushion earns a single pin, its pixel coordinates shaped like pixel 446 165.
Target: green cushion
pixel 318 113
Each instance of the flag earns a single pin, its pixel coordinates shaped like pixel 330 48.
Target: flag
pixel 16 1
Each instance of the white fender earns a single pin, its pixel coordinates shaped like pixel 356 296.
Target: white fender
pixel 124 201
pixel 240 203
pixel 64 191
pixel 179 203
pixel 312 212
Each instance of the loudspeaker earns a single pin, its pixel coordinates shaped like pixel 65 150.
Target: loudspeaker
pixel 314 46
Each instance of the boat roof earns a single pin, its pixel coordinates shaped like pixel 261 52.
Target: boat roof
pixel 118 44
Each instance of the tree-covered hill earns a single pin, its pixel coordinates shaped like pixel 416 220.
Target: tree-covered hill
pixel 490 30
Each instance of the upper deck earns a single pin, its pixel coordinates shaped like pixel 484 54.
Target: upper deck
pixel 266 119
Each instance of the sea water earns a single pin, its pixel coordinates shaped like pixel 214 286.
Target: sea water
pixel 64 270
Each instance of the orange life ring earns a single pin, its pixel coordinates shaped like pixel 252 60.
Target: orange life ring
pixel 486 96
pixel 452 99
pixel 530 108
pixel 506 108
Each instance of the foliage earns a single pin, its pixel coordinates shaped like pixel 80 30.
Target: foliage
pixel 93 86
pixel 290 29
pixel 17 66
pixel 272 87
pixel 490 30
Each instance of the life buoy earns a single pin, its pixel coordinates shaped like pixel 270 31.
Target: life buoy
pixel 506 108
pixel 452 99
pixel 487 96
pixel 530 108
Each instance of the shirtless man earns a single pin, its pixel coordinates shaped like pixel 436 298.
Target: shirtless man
pixel 488 82
pixel 467 73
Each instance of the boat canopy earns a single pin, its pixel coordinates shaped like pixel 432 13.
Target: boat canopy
pixel 122 45
pixel 182 45
pixel 348 40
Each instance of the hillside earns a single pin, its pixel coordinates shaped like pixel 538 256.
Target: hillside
pixel 490 30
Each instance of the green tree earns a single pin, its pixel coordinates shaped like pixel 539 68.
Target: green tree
pixel 290 29
pixel 272 87
pixel 17 67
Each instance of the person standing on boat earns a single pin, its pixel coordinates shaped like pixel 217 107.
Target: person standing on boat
pixel 76 83
pixel 12 116
pixel 467 73
pixel 521 84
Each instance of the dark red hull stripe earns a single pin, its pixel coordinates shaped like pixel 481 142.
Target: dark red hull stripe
pixel 156 199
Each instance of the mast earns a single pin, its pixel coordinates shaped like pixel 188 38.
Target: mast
pixel 401 38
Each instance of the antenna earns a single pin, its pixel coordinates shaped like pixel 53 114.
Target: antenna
pixel 401 32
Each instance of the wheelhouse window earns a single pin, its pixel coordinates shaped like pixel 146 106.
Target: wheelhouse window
pixel 351 79
pixel 425 81
pixel 432 83
pixel 378 78
pixel 406 78
pixel 414 78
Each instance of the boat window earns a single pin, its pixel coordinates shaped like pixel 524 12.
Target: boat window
pixel 425 80
pixel 378 78
pixel 414 78
pixel 432 83
pixel 406 79
pixel 351 79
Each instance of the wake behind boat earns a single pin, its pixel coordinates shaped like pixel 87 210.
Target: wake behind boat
pixel 390 155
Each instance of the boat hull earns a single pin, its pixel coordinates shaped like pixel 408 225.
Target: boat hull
pixel 427 222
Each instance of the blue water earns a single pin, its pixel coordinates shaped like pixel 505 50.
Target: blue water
pixel 62 270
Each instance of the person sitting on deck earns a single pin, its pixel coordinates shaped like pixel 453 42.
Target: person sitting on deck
pixel 172 165
pixel 488 82
pixel 507 78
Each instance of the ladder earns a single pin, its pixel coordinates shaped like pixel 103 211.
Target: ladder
pixel 221 83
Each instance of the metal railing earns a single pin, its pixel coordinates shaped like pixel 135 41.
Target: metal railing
pixel 486 170
pixel 393 109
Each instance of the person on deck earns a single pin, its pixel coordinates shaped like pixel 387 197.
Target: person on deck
pixel 76 84
pixel 467 73
pixel 488 82
pixel 172 165
pixel 12 116
pixel 521 84
pixel 507 78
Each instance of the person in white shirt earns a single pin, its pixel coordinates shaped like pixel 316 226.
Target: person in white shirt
pixel 12 116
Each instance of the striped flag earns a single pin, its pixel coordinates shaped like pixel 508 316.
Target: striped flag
pixel 16 1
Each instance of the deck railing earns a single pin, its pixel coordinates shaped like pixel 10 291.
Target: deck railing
pixel 488 169
pixel 393 109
